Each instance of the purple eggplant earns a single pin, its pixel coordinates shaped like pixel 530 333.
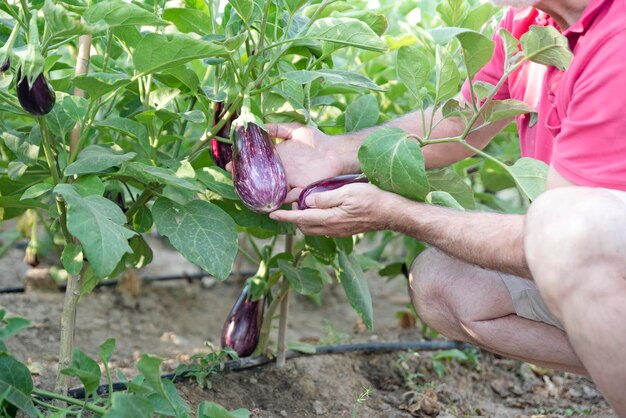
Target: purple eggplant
pixel 258 174
pixel 5 66
pixel 37 99
pixel 331 183
pixel 242 328
pixel 222 152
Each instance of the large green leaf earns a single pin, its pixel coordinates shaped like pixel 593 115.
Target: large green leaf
pixel 86 369
pixel 201 231
pixel 244 8
pixel 16 384
pixel 218 181
pixel 447 180
pixel 246 218
pixel 477 51
pixel 355 285
pixel 212 410
pixel 157 52
pixel 98 224
pixel 447 76
pixel 362 113
pixel 394 163
pixel 125 126
pixel 546 45
pixel 414 65
pixel 346 31
pixel 99 84
pixel 530 176
pixel 95 159
pixel 189 20
pixel 10 326
pixel 453 12
pixel 304 280
pixel 504 109
pixel 125 405
pixel 119 13
pixel 25 149
pixel 335 77
pixel 151 174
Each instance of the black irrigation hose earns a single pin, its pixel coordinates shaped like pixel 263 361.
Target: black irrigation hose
pixel 109 283
pixel 250 362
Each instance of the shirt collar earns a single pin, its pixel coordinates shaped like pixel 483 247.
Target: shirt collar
pixel 590 12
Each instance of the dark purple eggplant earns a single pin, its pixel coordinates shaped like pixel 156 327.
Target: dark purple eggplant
pixel 258 174
pixel 37 99
pixel 331 183
pixel 242 328
pixel 222 152
pixel 5 66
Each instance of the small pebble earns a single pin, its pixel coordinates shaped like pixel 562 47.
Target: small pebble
pixel 283 413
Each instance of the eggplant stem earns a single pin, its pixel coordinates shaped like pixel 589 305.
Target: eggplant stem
pixel 284 312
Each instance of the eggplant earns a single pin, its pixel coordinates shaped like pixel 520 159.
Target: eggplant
pixel 242 328
pixel 222 152
pixel 37 99
pixel 331 183
pixel 258 174
pixel 5 66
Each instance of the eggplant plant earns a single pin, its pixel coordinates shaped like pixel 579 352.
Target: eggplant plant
pixel 116 119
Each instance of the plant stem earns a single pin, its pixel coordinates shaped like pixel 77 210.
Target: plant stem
pixel 47 149
pixel 82 67
pixel 52 395
pixel 284 312
pixel 143 198
pixel 266 328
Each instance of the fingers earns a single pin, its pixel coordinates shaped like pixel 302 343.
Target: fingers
pixel 301 217
pixel 229 167
pixel 326 200
pixel 282 130
pixel 293 195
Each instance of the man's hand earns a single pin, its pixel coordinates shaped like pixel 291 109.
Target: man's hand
pixel 307 154
pixel 342 212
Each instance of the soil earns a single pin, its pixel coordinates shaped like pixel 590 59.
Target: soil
pixel 175 320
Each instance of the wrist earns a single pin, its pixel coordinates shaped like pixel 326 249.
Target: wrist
pixel 348 150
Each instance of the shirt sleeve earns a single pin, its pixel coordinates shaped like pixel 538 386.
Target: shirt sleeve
pixel 590 148
pixel 494 69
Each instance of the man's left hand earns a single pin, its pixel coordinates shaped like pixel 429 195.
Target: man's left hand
pixel 342 212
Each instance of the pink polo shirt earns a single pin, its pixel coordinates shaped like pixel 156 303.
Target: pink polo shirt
pixel 580 128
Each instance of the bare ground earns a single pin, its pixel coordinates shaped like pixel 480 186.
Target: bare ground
pixel 175 320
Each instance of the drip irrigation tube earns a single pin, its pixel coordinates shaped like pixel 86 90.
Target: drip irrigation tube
pixel 110 283
pixel 251 362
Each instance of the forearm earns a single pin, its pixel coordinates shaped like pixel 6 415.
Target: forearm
pixel 490 240
pixel 435 155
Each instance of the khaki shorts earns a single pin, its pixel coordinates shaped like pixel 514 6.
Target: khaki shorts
pixel 527 301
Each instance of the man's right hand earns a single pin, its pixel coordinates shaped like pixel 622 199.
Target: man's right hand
pixel 308 155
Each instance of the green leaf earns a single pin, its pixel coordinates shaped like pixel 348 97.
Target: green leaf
pixel 443 199
pixel 219 181
pixel 505 109
pixel 75 107
pixel 305 281
pixel 362 113
pixel 495 177
pixel 301 347
pixel 10 327
pixel 119 13
pixel 72 258
pixel 453 12
pixel 414 66
pixel 157 52
pixel 98 84
pixel 323 248
pixel 125 126
pixel 201 231
pixel 98 224
pixel 95 159
pixel 355 285
pixel 510 42
pixel 335 77
pixel 25 149
pixel 189 20
pixel 478 16
pixel 442 36
pixel 151 174
pixel 142 253
pixel 16 384
pixel 86 369
pixel 346 31
pixel 59 123
pixel 142 221
pixel 245 218
pixel 89 185
pixel 212 410
pixel 530 176
pixel 447 180
pixel 394 163
pixel 546 45
pixel 447 76
pixel 125 405
pixel 244 8
pixel 150 368
pixel 477 51
pixel 105 351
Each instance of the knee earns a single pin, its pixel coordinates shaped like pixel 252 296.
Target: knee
pixel 427 288
pixel 569 231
